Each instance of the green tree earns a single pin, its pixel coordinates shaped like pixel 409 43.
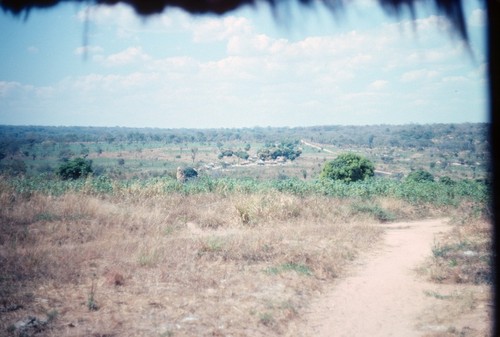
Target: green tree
pixel 75 168
pixel 348 167
pixel 419 176
pixel 287 150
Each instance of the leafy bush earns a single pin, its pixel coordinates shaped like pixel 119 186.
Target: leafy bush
pixel 190 172
pixel 348 167
pixel 286 150
pixel 225 153
pixel 419 176
pixel 75 169
pixel 242 154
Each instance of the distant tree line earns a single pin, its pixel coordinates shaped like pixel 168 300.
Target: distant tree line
pixel 470 137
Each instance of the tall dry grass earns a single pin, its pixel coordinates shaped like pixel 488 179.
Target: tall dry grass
pixel 156 264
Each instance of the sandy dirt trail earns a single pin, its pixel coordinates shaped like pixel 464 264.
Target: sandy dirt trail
pixel 382 296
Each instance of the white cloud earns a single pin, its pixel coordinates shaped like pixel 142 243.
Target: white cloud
pixel 125 57
pixel 455 79
pixel 110 83
pixel 210 30
pixel 32 50
pixel 232 71
pixel 16 90
pixel 378 84
pixel 120 15
pixel 7 88
pixel 422 74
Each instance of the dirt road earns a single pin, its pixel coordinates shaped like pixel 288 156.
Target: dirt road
pixel 383 296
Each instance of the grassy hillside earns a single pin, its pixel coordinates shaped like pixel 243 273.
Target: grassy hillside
pixel 239 251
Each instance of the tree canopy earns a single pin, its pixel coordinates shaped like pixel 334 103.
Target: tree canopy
pixel 75 168
pixel 348 167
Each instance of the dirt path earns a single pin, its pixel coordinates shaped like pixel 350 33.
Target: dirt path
pixel 383 296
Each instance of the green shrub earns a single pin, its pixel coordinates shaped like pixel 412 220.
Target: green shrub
pixel 75 169
pixel 348 167
pixel 378 212
pixel 419 176
pixel 190 172
pixel 446 181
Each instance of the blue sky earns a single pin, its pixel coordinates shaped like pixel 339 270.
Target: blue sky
pixel 103 66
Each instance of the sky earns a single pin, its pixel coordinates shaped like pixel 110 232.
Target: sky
pixel 76 65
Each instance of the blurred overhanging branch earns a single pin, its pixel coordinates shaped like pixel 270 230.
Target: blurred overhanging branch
pixel 452 9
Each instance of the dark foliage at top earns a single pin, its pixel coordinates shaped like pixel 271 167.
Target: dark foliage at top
pixel 453 9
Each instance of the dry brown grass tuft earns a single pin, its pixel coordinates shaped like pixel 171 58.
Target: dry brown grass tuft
pixel 157 264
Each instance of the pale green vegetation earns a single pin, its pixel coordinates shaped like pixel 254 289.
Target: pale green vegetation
pixel 459 151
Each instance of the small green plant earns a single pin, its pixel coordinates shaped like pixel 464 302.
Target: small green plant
pixel 440 251
pixel 266 319
pixel 437 295
pixel 148 258
pixel 47 216
pixel 212 245
pixel 52 315
pixel 298 268
pixel 91 303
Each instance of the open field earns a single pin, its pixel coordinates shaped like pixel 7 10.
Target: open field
pixel 156 258
pixel 244 249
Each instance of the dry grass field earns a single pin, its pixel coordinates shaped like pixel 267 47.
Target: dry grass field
pixel 141 262
pixel 461 265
